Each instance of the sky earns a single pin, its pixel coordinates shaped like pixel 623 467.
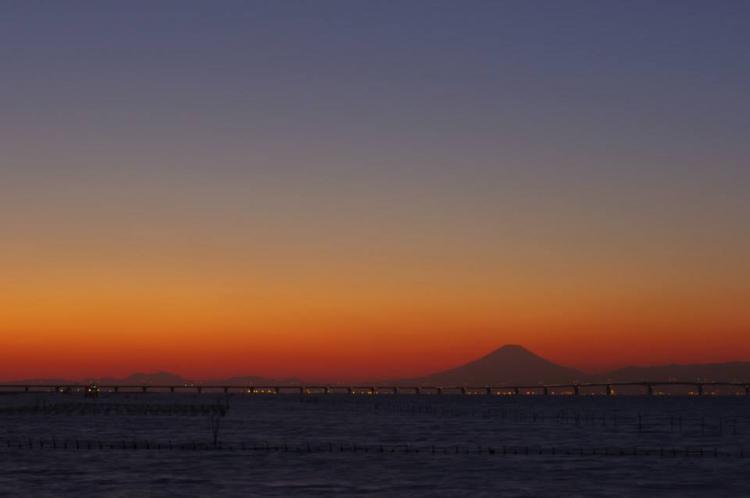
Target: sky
pixel 371 189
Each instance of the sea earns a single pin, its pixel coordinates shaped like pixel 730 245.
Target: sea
pixel 237 445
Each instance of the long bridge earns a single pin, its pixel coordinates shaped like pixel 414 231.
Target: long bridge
pixel 609 389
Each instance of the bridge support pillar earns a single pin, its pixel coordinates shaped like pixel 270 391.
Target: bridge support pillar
pixel 577 389
pixel 117 389
pixel 171 389
pixel 546 390
pixel 650 388
pixel 440 390
pixel 700 389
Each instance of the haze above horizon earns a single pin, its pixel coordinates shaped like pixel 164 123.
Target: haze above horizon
pixel 371 189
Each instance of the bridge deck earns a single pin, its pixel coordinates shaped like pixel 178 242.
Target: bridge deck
pixel 610 389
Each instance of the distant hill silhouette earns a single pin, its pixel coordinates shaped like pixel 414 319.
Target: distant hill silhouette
pixel 511 364
pixel 159 379
pixel 171 379
pixel 736 371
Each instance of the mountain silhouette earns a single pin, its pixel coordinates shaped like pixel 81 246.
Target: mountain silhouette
pixel 510 364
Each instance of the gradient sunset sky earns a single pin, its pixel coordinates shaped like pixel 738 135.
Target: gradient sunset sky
pixel 351 189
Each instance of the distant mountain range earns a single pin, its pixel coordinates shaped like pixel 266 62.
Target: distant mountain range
pixel 514 365
pixel 508 365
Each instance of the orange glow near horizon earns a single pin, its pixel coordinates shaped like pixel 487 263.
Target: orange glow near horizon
pixel 368 325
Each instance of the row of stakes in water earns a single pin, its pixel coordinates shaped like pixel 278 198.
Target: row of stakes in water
pixel 265 447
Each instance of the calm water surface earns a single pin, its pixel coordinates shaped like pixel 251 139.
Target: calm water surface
pixel 373 445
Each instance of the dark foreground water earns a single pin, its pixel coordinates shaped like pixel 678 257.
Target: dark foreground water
pixel 134 445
